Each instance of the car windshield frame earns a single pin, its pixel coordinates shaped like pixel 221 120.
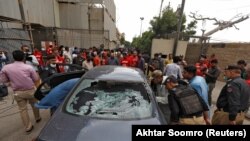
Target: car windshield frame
pixel 98 103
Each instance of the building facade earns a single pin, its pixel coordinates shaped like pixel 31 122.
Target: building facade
pixel 81 23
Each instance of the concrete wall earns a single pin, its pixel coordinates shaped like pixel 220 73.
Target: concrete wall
pixel 73 16
pixel 66 15
pixel 56 13
pixel 165 46
pixel 110 9
pixel 96 19
pixel 81 38
pixel 44 12
pixel 40 12
pixel 10 8
pixel 110 25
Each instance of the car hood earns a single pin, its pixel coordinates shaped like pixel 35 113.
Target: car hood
pixel 75 128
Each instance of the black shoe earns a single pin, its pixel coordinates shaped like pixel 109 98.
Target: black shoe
pixel 38 120
pixel 29 130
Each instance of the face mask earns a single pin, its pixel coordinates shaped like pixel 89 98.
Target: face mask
pixel 53 65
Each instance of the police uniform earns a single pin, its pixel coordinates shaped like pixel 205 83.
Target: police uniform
pixel 232 102
pixel 186 105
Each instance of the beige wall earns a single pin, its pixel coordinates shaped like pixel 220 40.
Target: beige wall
pixel 56 13
pixel 73 16
pixel 110 25
pixel 10 8
pixel 35 11
pixel 39 11
pixel 165 46
pixel 110 9
pixel 96 19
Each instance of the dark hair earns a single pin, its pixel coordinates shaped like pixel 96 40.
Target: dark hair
pixel 214 61
pixel 190 69
pixel 242 62
pixel 18 55
pixel 66 48
pixel 176 59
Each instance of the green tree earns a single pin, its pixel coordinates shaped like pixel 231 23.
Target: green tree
pixel 144 43
pixel 163 27
pixel 127 44
pixel 190 30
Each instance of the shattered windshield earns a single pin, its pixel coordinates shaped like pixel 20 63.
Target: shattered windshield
pixel 108 99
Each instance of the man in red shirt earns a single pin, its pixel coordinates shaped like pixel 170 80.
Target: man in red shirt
pixel 49 50
pixel 134 59
pixel 125 61
pixel 96 60
pixel 39 57
pixel 201 66
pixel 59 59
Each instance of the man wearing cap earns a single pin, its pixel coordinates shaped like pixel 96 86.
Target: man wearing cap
pixel 161 93
pixel 233 99
pixel 186 105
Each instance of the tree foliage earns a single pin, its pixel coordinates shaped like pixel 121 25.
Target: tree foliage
pixel 162 27
pixel 143 43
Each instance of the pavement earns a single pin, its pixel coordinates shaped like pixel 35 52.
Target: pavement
pixel 13 130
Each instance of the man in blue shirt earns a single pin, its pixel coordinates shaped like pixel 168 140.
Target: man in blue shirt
pixel 55 97
pixel 198 83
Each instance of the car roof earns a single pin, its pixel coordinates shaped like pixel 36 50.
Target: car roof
pixel 118 73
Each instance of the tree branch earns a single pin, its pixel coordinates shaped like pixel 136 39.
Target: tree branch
pixel 236 27
pixel 199 17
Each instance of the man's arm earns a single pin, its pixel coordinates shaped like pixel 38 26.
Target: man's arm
pixel 233 95
pixel 3 76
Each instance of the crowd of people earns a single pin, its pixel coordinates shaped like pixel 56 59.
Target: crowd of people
pixel 170 77
pixel 232 103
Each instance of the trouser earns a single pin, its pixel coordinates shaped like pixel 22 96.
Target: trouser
pixel 210 90
pixel 222 118
pixel 195 120
pixel 22 97
pixel 165 110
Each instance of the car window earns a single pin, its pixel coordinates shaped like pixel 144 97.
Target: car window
pixel 108 99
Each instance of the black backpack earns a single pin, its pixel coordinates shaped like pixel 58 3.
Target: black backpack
pixel 189 100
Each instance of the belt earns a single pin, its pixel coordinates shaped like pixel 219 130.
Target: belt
pixel 24 89
pixel 191 116
pixel 223 110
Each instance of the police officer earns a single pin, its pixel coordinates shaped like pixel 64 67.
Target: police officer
pixel 186 105
pixel 233 99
